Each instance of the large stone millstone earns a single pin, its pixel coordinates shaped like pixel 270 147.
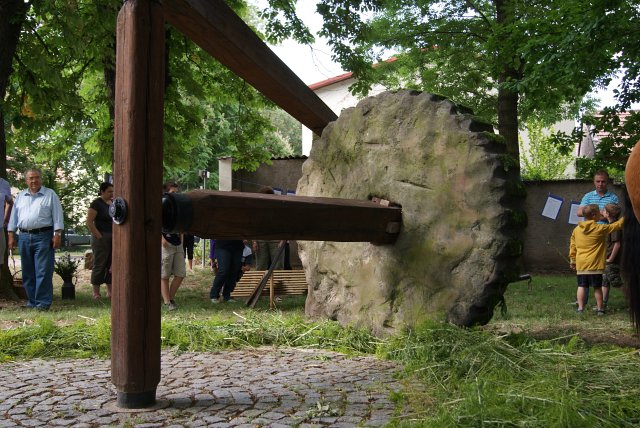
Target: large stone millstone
pixel 459 192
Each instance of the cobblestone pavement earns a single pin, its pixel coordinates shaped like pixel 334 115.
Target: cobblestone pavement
pixel 264 387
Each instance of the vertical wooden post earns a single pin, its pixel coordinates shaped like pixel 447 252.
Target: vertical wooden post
pixel 271 292
pixel 135 313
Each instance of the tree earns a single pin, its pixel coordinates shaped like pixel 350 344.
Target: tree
pixel 541 159
pixel 500 57
pixel 611 27
pixel 57 80
pixel 286 135
pixel 64 81
pixel 12 16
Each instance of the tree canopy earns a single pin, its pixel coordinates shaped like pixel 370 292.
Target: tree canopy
pixel 509 60
pixel 541 159
pixel 58 103
pixel 57 81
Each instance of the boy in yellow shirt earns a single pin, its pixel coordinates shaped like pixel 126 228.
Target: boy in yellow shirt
pixel 587 254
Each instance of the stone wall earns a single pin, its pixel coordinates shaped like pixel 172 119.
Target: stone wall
pixel 546 241
pixel 284 174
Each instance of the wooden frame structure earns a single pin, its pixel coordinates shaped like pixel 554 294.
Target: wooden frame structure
pixel 135 361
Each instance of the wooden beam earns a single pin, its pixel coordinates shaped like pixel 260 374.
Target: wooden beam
pixel 135 311
pixel 237 215
pixel 216 28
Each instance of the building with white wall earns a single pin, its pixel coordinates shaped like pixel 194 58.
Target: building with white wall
pixel 335 94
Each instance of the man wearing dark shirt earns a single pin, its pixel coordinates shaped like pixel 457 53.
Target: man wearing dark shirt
pixel 172 261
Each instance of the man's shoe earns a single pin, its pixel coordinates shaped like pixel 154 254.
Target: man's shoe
pixel 215 301
pixel 579 310
pixel 172 305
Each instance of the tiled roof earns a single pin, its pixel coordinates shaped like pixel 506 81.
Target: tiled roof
pixel 342 77
pixel 330 81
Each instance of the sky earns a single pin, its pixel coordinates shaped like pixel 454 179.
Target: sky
pixel 310 63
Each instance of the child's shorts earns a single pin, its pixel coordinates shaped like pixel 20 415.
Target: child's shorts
pixel 611 276
pixel 590 280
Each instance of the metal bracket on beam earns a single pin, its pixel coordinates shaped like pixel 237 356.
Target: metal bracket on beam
pixel 177 212
pixel 118 210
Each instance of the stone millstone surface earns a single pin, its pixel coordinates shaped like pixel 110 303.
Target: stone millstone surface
pixel 459 192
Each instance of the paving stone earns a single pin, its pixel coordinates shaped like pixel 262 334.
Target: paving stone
pixel 62 422
pixel 263 387
pixel 252 413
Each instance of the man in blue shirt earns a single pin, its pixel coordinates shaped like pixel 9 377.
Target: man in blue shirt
pixel 37 214
pixel 601 196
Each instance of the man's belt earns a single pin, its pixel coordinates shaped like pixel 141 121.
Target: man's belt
pixel 39 230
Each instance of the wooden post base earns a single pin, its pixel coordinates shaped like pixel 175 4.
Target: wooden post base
pixel 136 400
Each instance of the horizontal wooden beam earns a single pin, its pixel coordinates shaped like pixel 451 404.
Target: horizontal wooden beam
pixel 217 29
pixel 237 215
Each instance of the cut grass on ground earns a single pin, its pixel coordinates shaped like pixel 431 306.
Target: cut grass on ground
pixel 539 364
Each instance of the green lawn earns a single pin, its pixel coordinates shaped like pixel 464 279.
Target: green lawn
pixel 545 308
pixel 538 364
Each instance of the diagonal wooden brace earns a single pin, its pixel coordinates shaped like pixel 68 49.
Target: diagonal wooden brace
pixel 236 215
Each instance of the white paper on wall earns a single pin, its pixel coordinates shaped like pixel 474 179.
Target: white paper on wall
pixel 552 206
pixel 573 213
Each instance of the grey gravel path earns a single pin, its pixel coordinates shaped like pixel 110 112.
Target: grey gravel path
pixel 265 387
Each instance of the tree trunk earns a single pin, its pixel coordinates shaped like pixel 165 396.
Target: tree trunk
pixel 508 99
pixel 109 64
pixel 110 83
pixel 508 114
pixel 12 16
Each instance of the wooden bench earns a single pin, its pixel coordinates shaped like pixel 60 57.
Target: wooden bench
pixel 281 282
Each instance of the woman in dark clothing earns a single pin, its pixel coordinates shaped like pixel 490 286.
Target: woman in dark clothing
pixel 99 223
pixel 188 242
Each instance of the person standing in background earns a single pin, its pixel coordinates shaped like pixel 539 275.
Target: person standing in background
pixel 100 225
pixel 5 214
pixel 228 254
pixel 611 276
pixel 587 250
pixel 172 261
pixel 37 214
pixel 266 251
pixel 601 196
pixel 188 241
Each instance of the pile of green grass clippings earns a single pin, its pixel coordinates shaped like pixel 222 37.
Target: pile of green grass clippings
pixel 468 377
pixel 265 329
pixel 44 339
